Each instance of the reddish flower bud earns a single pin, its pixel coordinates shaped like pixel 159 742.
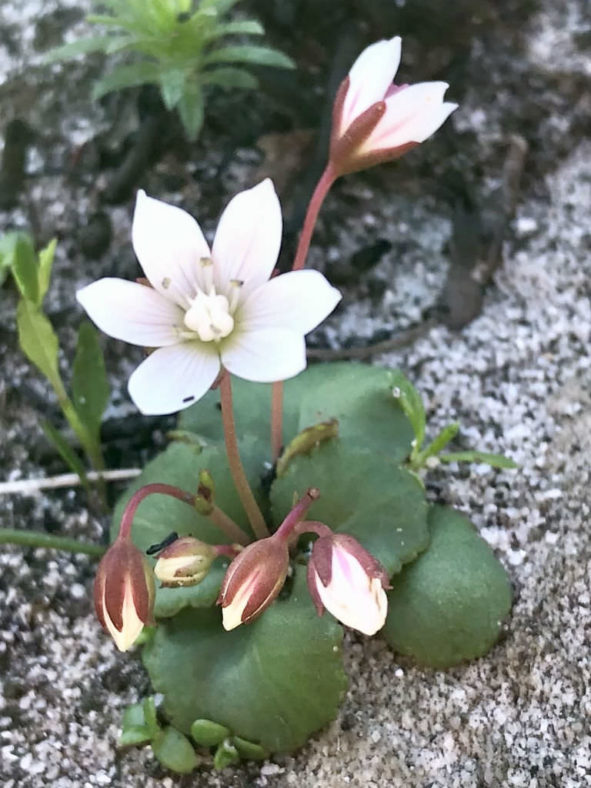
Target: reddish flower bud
pixel 253 580
pixel 185 562
pixel 124 593
pixel 349 582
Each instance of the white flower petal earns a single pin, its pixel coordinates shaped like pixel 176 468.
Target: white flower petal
pixel 298 301
pixel 265 355
pixel 132 625
pixel 172 378
pixel 169 245
pixel 369 78
pixel 132 312
pixel 248 238
pixel 412 115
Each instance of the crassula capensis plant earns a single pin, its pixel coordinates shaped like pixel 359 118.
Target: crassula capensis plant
pixel 282 512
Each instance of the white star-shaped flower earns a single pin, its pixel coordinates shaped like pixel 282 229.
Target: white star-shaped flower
pixel 209 308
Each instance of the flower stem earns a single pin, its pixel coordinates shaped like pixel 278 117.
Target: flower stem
pixel 143 492
pixel 245 493
pixel 327 179
pixel 276 420
pixel 228 526
pixel 39 539
pixel 297 514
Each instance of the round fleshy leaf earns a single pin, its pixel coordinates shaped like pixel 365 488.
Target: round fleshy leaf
pixel 449 605
pixel 208 733
pixel 174 751
pixel 159 515
pixel 358 395
pixel 273 682
pixel 362 494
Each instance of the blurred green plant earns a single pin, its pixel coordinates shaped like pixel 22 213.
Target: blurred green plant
pixel 38 341
pixel 182 48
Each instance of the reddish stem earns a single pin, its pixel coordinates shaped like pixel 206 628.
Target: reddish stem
pixel 276 420
pixel 243 489
pixel 143 492
pixel 327 179
pixel 297 513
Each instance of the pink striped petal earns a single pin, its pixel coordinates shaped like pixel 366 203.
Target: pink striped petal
pixel 265 355
pixel 369 78
pixel 172 378
pixel 132 312
pixel 299 301
pixel 248 238
pixel 169 244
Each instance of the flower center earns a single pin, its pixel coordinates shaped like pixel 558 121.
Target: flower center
pixel 209 316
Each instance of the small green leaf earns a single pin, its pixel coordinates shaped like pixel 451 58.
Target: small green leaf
pixel 25 268
pixel 150 716
pixel 249 750
pixel 46 256
pixel 174 751
pixel 191 109
pixel 305 441
pixel 38 340
pixel 494 460
pixel 208 733
pixel 8 243
pixel 447 434
pixel 225 755
pixel 134 731
pixel 274 681
pixel 449 605
pixel 90 388
pixel 172 86
pixel 230 78
pixel 411 403
pixel 64 449
pixel 130 76
pixel 253 55
pixel 362 493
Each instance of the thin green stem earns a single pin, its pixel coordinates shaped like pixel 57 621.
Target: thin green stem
pixel 48 541
pixel 243 489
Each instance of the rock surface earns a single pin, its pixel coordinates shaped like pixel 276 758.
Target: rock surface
pixel 518 379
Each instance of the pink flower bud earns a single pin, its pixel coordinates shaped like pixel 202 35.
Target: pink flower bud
pixel 253 580
pixel 124 593
pixel 185 562
pixel 349 582
pixel 375 120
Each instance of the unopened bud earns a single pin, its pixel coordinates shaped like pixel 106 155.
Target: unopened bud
pixel 253 580
pixel 124 593
pixel 185 562
pixel 205 493
pixel 349 582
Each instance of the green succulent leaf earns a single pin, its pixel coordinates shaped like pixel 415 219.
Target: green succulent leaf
pixel 134 730
pixel 172 86
pixel 225 755
pixel 249 750
pixel 252 55
pixel 359 396
pixel 246 27
pixel 90 387
pixel 208 733
pixel 160 515
pixel 83 46
pixel 494 460
pixel 362 494
pixel 174 751
pixel 450 604
pixel 274 681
